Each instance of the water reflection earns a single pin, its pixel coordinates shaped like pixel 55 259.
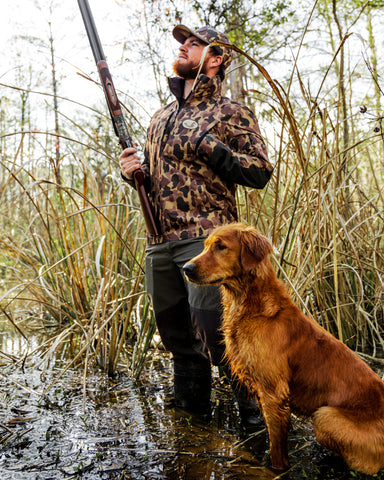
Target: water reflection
pixel 123 429
pixel 11 342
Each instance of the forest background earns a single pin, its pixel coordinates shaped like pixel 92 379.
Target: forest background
pixel 73 240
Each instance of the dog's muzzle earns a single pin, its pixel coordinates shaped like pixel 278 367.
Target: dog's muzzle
pixel 190 271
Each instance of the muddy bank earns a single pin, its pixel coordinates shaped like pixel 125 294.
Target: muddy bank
pixel 124 429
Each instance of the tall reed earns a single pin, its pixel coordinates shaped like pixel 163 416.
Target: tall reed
pixel 76 258
pixel 324 211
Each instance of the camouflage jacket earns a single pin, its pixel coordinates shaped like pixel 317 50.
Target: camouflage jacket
pixel 195 154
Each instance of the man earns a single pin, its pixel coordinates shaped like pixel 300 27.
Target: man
pixel 197 149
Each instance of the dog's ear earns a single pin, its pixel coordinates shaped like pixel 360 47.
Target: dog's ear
pixel 254 248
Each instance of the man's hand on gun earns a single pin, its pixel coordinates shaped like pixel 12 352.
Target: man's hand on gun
pixel 129 162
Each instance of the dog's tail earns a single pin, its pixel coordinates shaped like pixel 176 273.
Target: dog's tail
pixel 359 441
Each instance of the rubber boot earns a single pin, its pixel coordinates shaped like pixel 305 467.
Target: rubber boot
pixel 192 387
pixel 251 419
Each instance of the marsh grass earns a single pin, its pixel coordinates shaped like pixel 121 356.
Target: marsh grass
pixel 75 262
pixel 72 255
pixel 324 211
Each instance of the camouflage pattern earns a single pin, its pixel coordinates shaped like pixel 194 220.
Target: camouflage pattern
pixel 189 200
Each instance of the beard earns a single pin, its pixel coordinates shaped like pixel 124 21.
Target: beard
pixel 187 71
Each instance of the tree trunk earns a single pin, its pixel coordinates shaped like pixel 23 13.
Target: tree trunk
pixel 373 61
pixel 55 106
pixel 342 95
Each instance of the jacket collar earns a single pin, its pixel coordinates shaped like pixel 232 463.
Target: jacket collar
pixel 205 87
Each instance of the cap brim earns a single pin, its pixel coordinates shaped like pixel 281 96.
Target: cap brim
pixel 181 33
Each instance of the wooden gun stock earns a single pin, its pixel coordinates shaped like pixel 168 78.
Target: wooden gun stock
pixel 138 176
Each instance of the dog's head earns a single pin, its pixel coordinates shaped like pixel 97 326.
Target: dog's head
pixel 229 252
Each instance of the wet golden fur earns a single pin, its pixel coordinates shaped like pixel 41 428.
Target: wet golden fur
pixel 289 362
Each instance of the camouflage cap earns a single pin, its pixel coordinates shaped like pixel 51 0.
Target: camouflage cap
pixel 206 35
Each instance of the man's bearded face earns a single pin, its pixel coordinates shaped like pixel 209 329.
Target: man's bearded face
pixel 188 61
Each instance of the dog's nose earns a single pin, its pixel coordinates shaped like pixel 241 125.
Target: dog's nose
pixel 189 269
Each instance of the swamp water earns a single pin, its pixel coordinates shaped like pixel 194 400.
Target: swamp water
pixel 122 429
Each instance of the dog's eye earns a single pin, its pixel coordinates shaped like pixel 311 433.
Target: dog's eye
pixel 220 246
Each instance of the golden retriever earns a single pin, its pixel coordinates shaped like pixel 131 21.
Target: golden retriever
pixel 288 361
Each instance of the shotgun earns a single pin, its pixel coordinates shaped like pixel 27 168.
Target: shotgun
pixel 118 120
